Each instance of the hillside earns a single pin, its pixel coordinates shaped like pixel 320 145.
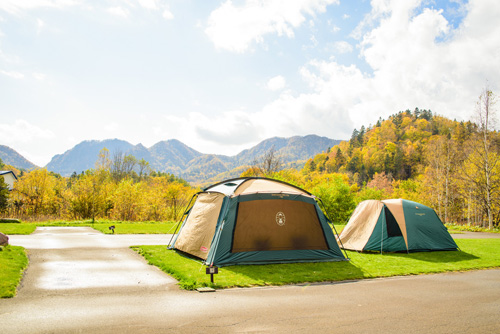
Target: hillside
pixel 398 146
pixel 172 156
pixel 11 157
pixel 84 155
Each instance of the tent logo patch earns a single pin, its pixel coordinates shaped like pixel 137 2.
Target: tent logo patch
pixel 280 218
pixel 204 249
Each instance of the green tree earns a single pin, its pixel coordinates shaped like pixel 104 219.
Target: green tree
pixel 4 194
pixel 337 197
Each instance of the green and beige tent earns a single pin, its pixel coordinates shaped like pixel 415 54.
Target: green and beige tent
pixel 256 221
pixel 395 225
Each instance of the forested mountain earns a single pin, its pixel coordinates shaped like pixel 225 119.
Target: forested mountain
pixel 10 157
pixel 451 166
pixel 172 156
pixel 401 146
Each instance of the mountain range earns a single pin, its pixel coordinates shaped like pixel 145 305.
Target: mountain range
pixel 173 156
pixel 11 157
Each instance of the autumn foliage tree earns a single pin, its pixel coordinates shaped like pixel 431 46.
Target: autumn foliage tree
pixel 113 190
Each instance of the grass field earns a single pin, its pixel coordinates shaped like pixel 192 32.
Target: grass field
pixel 474 254
pixel 13 261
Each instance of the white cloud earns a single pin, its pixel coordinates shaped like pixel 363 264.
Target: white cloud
pixel 40 25
pixel 227 133
pixel 12 74
pixel 39 76
pixel 235 28
pixel 276 83
pixel 111 128
pixel 168 15
pixel 416 58
pixel 343 47
pixel 22 131
pixel 149 4
pixel 417 61
pixel 17 6
pixel 119 11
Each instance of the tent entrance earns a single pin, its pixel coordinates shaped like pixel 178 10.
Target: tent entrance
pixel 393 229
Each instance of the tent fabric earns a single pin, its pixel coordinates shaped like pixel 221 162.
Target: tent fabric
pixel 257 221
pixel 263 185
pixel 396 208
pixel 256 228
pixel 361 224
pixel 395 225
pixel 200 225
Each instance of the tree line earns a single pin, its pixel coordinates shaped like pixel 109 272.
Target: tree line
pixel 118 188
pixel 448 165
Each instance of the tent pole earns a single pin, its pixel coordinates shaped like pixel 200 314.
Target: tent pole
pixel 382 233
pixel 333 225
pixel 180 220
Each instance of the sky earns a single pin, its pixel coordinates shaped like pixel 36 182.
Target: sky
pixel 221 76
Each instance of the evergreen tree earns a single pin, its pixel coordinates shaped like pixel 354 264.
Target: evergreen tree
pixel 4 195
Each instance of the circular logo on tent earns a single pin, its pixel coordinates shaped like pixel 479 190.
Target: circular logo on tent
pixel 280 218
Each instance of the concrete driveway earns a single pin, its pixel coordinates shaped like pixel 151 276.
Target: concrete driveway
pixel 81 281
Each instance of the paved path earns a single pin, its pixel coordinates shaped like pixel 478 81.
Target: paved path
pixel 68 258
pixel 80 281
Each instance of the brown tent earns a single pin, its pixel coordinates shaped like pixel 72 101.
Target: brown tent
pixel 256 220
pixel 395 225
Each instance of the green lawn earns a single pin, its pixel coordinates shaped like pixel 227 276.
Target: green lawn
pixel 475 254
pixel 137 228
pixel 23 228
pixel 13 261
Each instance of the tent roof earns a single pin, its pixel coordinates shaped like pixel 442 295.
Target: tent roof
pixel 250 185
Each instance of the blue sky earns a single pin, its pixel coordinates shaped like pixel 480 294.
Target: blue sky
pixel 223 75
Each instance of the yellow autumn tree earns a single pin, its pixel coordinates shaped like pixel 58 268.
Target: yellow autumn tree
pixel 38 193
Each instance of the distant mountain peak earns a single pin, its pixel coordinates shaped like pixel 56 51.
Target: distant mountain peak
pixel 10 157
pixel 173 156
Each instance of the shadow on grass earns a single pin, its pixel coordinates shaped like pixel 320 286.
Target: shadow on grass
pixel 436 257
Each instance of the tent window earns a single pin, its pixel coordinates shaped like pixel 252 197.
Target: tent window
pixel 393 229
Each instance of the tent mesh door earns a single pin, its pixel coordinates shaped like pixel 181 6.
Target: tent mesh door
pixel 277 224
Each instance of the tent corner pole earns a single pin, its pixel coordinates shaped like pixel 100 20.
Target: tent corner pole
pixel 333 225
